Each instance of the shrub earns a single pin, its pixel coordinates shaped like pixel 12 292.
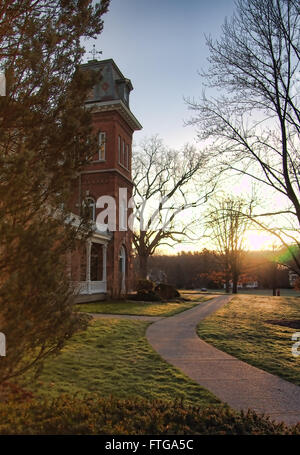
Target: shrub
pixel 166 291
pixel 13 392
pixel 297 284
pixel 148 296
pixel 95 415
pixel 144 285
pixel 144 296
pixel 145 292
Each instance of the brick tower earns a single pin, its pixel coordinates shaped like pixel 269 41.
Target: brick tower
pixel 104 265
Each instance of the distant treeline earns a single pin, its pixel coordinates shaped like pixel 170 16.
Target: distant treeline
pixel 194 270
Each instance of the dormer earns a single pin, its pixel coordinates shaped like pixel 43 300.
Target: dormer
pixel 124 88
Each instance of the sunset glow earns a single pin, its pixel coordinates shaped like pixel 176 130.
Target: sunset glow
pixel 257 240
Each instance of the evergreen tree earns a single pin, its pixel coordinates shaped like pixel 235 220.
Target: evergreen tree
pixel 45 139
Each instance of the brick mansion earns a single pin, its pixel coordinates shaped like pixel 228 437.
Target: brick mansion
pixel 103 265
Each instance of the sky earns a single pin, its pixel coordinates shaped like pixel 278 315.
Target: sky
pixel 160 46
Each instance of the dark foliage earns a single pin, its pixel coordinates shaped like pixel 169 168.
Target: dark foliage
pixel 94 415
pixel 145 296
pixel 144 285
pixel 194 270
pixel 45 138
pixel 166 291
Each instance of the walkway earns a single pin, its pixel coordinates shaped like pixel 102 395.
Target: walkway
pixel 240 385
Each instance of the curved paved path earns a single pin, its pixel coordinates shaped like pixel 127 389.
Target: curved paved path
pixel 240 385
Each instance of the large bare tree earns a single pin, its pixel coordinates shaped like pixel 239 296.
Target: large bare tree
pixel 253 125
pixel 166 183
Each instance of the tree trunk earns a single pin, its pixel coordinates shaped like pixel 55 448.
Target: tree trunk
pixel 227 280
pixel 143 267
pixel 235 279
pixel 235 268
pixel 234 285
pixel 227 286
pixel 274 278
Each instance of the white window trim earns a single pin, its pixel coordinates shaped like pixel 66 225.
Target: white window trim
pixel 127 156
pixel 123 214
pixel 102 143
pixel 123 149
pixel 119 148
pixel 123 153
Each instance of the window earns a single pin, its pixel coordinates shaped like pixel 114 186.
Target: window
pixel 123 215
pixel 123 150
pixel 123 154
pixel 102 145
pixel 127 157
pixel 126 95
pixel 96 262
pixel 90 206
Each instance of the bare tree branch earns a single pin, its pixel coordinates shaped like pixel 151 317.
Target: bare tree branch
pixel 163 191
pixel 253 128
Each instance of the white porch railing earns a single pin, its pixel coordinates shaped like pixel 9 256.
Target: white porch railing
pixel 97 286
pixel 90 287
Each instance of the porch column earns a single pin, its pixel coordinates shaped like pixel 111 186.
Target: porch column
pixel 104 255
pixel 88 266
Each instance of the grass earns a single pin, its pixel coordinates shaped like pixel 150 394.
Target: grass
pixel 269 292
pixel 266 292
pixel 142 308
pixel 240 329
pixel 198 296
pixel 113 357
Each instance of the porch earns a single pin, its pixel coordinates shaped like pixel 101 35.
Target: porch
pixel 94 269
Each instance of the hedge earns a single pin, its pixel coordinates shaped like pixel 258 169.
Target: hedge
pixel 95 415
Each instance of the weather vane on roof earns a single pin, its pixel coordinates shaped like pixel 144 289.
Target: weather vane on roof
pixel 94 52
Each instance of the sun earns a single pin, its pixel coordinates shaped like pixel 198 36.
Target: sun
pixel 254 240
pixel 258 240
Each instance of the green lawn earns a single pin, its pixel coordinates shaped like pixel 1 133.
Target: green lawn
pixel 240 329
pixel 114 358
pixel 141 308
pixel 195 296
pixel 266 292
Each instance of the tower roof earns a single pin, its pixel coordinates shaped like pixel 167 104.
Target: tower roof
pixel 112 90
pixel 111 81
